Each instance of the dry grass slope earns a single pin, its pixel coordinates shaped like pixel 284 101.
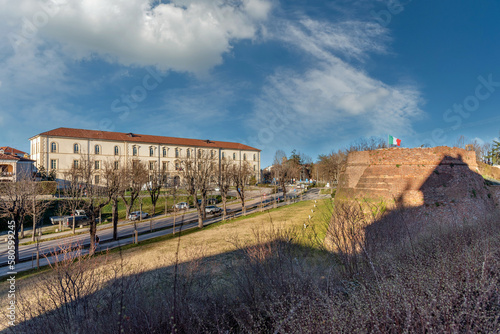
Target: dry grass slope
pixel 271 275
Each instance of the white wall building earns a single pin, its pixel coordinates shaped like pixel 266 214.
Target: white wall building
pixel 14 164
pixel 62 148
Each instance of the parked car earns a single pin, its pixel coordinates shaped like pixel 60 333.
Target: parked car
pixel 55 220
pixel 210 201
pixel 213 209
pixel 79 220
pixel 138 215
pixel 181 206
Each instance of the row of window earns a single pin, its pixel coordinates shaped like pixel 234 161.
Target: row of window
pixel 189 152
pixel 116 165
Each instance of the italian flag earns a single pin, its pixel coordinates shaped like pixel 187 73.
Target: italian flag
pixel 394 141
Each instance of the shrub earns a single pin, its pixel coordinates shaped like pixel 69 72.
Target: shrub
pixel 48 187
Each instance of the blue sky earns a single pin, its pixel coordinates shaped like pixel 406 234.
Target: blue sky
pixel 306 75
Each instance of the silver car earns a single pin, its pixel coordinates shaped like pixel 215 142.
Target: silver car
pixel 181 206
pixel 138 215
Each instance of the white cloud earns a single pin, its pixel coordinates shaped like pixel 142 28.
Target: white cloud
pixel 333 97
pixel 180 35
pixel 325 40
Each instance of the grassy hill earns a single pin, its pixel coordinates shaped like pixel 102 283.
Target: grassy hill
pixel 270 273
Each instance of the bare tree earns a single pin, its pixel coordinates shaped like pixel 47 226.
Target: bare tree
pixel 135 176
pixel 367 144
pixel 17 201
pixel 224 182
pixel 157 178
pixel 73 191
pixel 38 206
pixel 99 192
pixel 282 170
pixel 114 179
pixel 332 165
pixel 241 174
pixel 198 172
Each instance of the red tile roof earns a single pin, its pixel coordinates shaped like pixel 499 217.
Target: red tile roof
pixel 12 150
pixel 133 137
pixel 13 157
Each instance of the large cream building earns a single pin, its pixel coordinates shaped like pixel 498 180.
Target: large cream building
pixel 62 148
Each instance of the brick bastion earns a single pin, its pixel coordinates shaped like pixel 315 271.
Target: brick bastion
pixel 412 177
pixel 421 186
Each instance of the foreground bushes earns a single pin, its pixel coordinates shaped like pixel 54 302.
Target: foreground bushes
pixel 445 280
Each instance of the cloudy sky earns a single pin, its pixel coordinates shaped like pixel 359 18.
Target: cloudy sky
pixel 306 75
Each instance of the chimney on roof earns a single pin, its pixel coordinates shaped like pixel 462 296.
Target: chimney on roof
pixel 130 134
pixel 208 141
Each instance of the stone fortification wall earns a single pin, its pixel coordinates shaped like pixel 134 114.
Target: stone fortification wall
pixel 422 188
pixel 412 177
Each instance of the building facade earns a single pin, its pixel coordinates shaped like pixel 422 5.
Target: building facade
pixel 61 149
pixel 14 165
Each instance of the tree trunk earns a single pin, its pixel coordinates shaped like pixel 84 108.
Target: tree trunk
pixel 224 212
pixel 243 208
pixel 140 212
pixel 203 202
pixel 175 214
pixel 92 236
pixel 115 219
pixel 16 245
pixel 34 228
pixel 200 221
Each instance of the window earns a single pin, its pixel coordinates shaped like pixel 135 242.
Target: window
pixel 254 168
pixel 254 157
pixel 134 151
pixel 76 148
pixel 234 156
pixel 188 153
pixel 164 165
pixel 135 164
pixel 117 150
pixel 199 154
pixel 176 152
pixel 151 151
pixel 53 164
pixel 97 149
pixel 244 156
pixel 177 166
pixel 164 152
pixel 222 155
pixel 76 164
pixel 212 154
pixel 97 164
pixel 53 147
pixel 116 165
pixel 151 165
pixel 96 179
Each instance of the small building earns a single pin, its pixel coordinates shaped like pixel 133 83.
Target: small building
pixel 14 164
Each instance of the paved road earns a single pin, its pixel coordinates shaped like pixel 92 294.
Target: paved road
pixel 125 231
